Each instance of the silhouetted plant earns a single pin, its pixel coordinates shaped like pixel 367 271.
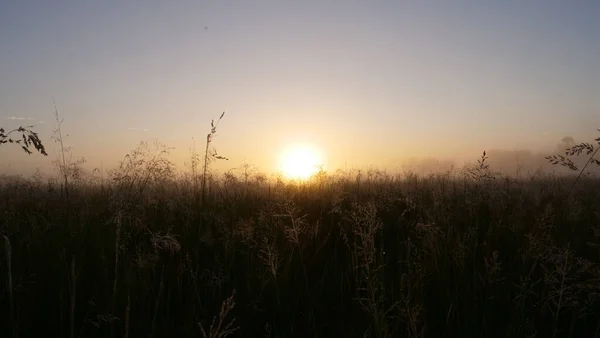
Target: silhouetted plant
pixel 58 138
pixel 68 168
pixel 27 140
pixel 11 304
pixel 140 169
pixel 210 153
pixel 582 148
pixel 194 164
pixel 221 329
pixel 481 171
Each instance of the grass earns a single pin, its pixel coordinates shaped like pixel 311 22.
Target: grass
pixel 456 254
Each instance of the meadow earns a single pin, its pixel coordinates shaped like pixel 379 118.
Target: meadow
pixel 143 252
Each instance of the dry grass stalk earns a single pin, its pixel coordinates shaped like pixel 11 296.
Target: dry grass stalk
pixel 210 153
pixel 221 329
pixel 11 304
pixel 72 296
pixel 589 149
pixel 27 140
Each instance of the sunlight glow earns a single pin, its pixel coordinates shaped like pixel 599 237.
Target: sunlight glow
pixel 300 162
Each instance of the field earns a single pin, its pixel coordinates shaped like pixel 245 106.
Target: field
pixel 142 253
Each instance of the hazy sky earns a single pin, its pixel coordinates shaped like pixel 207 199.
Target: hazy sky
pixel 367 82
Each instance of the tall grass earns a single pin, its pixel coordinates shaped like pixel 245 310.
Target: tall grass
pixel 9 284
pixel 456 254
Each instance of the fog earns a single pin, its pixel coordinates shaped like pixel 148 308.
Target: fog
pixel 510 162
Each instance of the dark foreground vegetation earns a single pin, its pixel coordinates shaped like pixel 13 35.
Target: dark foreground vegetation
pixel 143 254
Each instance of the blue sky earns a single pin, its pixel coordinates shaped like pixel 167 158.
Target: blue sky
pixel 366 82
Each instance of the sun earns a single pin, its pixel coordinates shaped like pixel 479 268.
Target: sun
pixel 300 162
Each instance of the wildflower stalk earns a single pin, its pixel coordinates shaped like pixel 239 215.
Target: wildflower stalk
pixel 210 154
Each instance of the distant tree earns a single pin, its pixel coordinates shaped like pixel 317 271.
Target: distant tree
pixel 24 137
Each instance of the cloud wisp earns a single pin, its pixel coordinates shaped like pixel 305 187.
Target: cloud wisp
pixel 140 129
pixel 21 118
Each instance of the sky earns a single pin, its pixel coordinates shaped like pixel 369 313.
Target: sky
pixel 367 83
